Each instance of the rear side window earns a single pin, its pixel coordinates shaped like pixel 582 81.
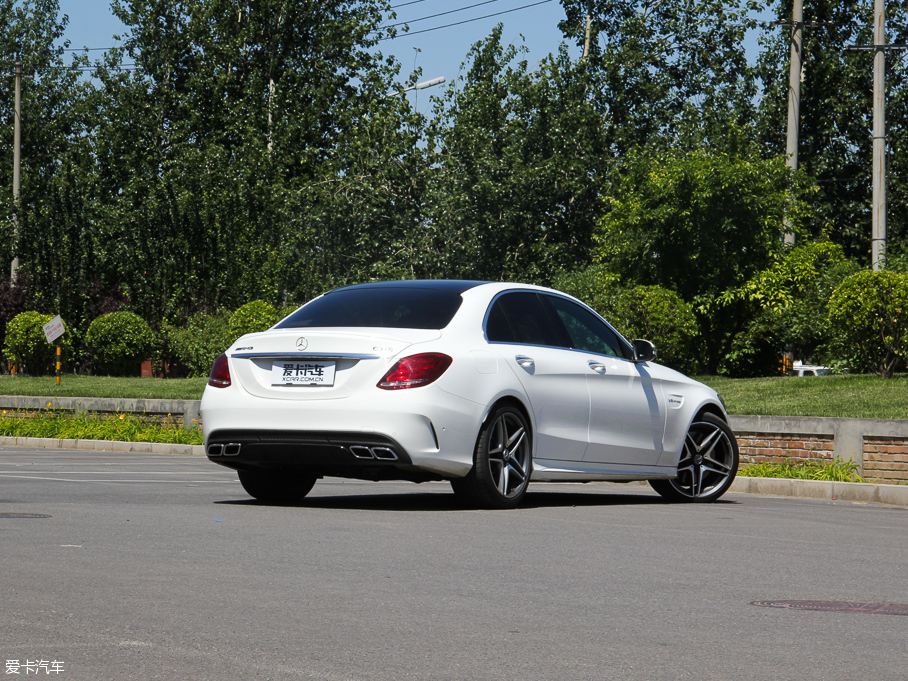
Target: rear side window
pixel 395 308
pixel 520 318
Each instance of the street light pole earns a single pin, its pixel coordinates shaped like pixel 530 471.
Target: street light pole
pixel 420 86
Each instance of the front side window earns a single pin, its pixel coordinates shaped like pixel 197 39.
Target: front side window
pixel 587 332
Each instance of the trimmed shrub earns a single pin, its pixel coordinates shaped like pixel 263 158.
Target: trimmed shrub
pixel 27 346
pixel 196 345
pixel 252 317
pixel 661 316
pixel 119 342
pixel 868 315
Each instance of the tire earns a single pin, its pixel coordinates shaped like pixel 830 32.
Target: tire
pixel 276 487
pixel 502 462
pixel 709 462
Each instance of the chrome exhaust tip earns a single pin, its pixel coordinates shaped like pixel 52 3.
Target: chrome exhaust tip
pixel 384 454
pixel 361 452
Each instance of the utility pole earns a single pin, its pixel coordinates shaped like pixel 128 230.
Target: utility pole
pixel 794 96
pixel 878 238
pixel 17 147
pixel 878 208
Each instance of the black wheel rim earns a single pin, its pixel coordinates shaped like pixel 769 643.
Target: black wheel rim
pixel 509 455
pixel 707 463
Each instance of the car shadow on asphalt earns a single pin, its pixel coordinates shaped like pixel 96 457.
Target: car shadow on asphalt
pixel 437 501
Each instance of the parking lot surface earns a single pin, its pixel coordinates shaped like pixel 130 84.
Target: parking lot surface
pixel 139 566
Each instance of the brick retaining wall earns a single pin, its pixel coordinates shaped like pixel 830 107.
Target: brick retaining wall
pixel 780 447
pixel 878 446
pixel 886 458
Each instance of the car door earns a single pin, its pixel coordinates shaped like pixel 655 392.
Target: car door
pixel 524 334
pixel 627 414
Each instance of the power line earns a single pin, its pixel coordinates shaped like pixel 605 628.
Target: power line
pixel 440 14
pixel 465 21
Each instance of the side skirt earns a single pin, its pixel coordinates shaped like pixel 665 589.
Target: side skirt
pixel 571 471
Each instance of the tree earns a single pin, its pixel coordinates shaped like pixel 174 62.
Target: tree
pixel 512 191
pixel 54 241
pixel 217 143
pixel 699 224
pixel 835 131
pixel 869 313
pixel 670 71
pixel 661 316
pixel 793 296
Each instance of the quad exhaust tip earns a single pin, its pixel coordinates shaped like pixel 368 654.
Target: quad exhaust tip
pixel 382 453
pixel 229 449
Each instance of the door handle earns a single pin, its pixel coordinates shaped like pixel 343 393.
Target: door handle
pixel 524 361
pixel 598 367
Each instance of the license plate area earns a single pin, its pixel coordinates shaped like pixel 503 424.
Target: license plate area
pixel 308 373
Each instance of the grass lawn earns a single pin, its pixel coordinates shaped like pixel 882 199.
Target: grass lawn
pixel 840 396
pixel 72 385
pixel 843 396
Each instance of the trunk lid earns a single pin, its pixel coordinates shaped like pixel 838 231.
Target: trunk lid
pixel 318 364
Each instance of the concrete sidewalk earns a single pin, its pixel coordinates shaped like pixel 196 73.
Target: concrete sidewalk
pixel 895 495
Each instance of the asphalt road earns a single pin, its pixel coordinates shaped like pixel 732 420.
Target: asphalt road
pixel 157 567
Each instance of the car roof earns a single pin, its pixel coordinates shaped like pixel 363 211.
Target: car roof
pixel 453 285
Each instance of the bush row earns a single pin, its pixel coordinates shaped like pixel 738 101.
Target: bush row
pixel 118 342
pixel 866 319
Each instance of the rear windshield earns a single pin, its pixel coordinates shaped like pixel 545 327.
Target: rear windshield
pixel 396 308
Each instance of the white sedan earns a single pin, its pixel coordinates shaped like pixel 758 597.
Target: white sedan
pixel 487 385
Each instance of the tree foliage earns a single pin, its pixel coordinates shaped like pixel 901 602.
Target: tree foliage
pixel 671 71
pixel 660 316
pixel 513 191
pixel 835 130
pixel 683 221
pixel 260 150
pixel 27 346
pixel 869 313
pixel 254 316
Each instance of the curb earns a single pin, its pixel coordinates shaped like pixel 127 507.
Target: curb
pixel 894 495
pixel 104 446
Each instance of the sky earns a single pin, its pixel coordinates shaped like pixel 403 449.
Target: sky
pixel 433 44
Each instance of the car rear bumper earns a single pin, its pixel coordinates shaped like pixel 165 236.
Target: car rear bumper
pixel 423 435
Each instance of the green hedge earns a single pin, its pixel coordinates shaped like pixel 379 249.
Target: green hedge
pixel 253 317
pixel 119 342
pixel 27 347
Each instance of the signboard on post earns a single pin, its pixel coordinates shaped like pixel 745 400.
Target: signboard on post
pixel 54 329
pixel 52 332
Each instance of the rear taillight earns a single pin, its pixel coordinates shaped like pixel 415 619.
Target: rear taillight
pixel 220 373
pixel 415 371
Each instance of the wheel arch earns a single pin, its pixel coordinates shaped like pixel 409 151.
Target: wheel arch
pixel 710 408
pixel 513 401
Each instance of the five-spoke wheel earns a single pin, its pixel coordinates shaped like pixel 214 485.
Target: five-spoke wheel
pixel 502 461
pixel 708 463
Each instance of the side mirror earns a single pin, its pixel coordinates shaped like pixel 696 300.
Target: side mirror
pixel 644 351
